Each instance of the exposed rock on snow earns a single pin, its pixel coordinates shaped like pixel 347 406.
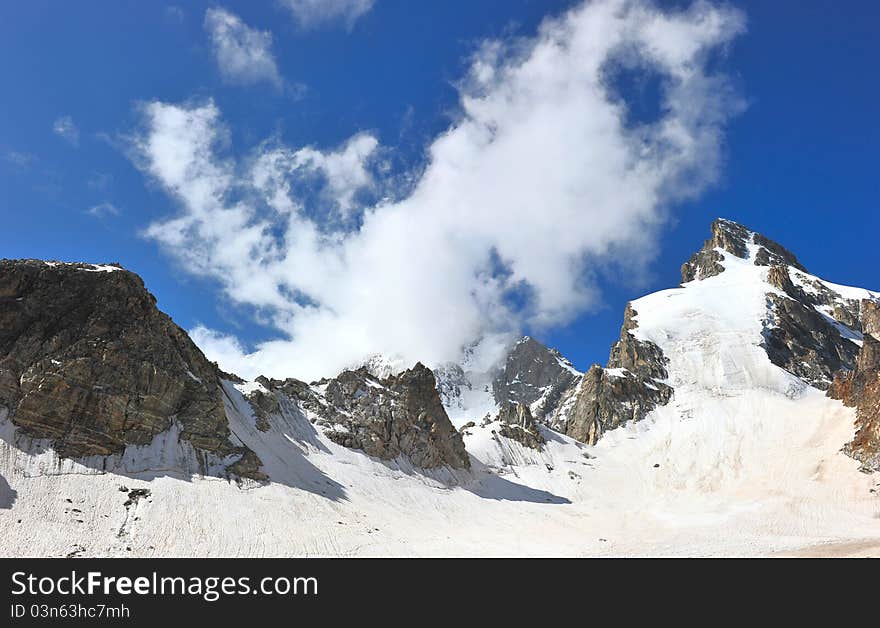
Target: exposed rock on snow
pixel 400 415
pixel 706 262
pixel 860 388
pixel 804 342
pixel 89 363
pixel 528 373
pixel 812 334
pixel 626 390
pixel 735 239
pixel 536 376
pixel 518 424
pixel 810 328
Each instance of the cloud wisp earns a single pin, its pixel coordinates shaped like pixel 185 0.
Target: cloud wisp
pixel 103 210
pixel 65 128
pixel 318 13
pixel 541 181
pixel 19 159
pixel 243 54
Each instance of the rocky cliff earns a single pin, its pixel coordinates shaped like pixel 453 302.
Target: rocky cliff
pixel 810 333
pixel 536 376
pixel 398 415
pixel 627 389
pixel 860 388
pixel 517 423
pixel 88 362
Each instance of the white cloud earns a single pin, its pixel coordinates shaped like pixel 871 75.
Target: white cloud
pixel 342 172
pixel 537 186
pixel 65 128
pixel 226 350
pixel 103 210
pixel 314 13
pixel 243 54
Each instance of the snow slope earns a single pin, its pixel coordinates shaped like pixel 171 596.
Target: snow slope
pixel 744 460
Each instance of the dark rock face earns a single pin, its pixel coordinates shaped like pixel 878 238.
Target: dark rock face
pixel 774 254
pixel 734 238
pixel 860 388
pixel 800 338
pixel 386 418
pixel 532 372
pixel 517 423
pixel 643 359
pixel 702 264
pixel 809 329
pixel 626 390
pixel 607 401
pixel 88 362
pixel 706 262
pixel 264 405
pixel 845 311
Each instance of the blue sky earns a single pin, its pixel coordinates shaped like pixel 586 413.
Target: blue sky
pixel 798 162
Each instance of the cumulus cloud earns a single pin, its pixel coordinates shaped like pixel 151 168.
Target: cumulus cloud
pixel 65 128
pixel 243 54
pixel 339 174
pixel 226 350
pixel 543 180
pixel 314 13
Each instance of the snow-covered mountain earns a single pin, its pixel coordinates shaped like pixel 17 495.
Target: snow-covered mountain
pixel 708 431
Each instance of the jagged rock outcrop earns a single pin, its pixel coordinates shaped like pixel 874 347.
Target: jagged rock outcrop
pixel 399 415
pixel 809 327
pixel 706 262
pixel 627 389
pixel 772 253
pixel 860 388
pixel 809 332
pixel 536 376
pixel 811 290
pixel 803 342
pixel 264 404
pixel 735 239
pixel 641 358
pixel 88 362
pixel 517 423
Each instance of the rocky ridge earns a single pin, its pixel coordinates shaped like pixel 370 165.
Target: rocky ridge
pixel 802 338
pixel 536 376
pixel 627 389
pixel 399 415
pixel 89 363
pixel 734 238
pixel 810 328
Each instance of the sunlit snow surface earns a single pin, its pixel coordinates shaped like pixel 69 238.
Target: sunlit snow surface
pixel 743 461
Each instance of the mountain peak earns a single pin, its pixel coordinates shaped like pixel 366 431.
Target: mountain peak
pixel 730 237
